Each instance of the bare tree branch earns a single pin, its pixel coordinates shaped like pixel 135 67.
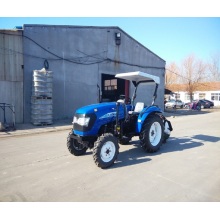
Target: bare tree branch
pixel 214 67
pixel 193 72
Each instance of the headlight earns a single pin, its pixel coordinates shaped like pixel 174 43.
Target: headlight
pixel 81 121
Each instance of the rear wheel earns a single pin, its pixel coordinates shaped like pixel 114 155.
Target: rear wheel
pixel 105 150
pixel 152 134
pixel 75 147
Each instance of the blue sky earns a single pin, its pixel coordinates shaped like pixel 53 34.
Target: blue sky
pixel 171 38
pixel 174 35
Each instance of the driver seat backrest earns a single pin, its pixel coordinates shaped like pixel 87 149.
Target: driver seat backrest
pixel 139 107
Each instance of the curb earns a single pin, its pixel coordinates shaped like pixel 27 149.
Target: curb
pixel 33 131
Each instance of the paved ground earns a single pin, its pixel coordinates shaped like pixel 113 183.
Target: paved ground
pixel 38 166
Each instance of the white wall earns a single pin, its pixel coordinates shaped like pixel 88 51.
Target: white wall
pixel 208 96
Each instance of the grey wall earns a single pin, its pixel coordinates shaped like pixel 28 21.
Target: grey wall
pixel 84 53
pixel 11 73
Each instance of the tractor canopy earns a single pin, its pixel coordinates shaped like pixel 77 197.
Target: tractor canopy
pixel 139 77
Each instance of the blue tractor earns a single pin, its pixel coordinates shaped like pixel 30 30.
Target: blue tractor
pixel 103 126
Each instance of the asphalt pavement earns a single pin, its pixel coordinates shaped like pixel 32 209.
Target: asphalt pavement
pixel 39 167
pixel 36 166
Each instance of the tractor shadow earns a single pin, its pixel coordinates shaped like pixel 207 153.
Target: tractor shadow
pixel 130 157
pixel 137 155
pixel 185 143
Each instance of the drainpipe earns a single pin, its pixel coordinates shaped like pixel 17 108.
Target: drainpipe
pixel 127 84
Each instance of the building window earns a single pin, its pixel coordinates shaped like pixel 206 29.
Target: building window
pixel 177 96
pixel 215 96
pixel 187 96
pixel 201 95
pixel 110 85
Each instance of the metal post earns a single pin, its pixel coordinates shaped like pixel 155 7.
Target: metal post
pixel 155 94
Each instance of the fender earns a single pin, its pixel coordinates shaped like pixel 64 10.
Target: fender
pixel 144 114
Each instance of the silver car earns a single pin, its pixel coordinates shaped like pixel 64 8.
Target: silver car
pixel 174 104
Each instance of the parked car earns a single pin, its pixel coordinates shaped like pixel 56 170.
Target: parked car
pixel 174 104
pixel 195 105
pixel 204 104
pixel 210 102
pixel 201 103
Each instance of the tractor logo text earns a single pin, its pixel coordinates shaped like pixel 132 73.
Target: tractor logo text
pixel 108 115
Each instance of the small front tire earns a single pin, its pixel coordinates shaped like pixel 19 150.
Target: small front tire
pixel 75 147
pixel 105 150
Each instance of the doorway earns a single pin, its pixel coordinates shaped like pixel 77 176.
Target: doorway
pixel 112 88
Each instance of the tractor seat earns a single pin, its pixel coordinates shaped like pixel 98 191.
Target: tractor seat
pixel 138 108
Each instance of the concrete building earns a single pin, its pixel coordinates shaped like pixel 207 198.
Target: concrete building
pixel 11 73
pixel 84 61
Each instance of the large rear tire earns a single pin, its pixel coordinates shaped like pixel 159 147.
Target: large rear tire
pixel 152 134
pixel 105 150
pixel 75 147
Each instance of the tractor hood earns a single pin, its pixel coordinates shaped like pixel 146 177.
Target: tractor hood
pixel 88 119
pixel 94 108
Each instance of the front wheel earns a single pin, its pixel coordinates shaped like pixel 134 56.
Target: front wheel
pixel 198 108
pixel 187 107
pixel 105 150
pixel 152 134
pixel 75 147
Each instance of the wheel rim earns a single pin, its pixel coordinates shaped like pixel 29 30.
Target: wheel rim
pixel 108 151
pixel 155 133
